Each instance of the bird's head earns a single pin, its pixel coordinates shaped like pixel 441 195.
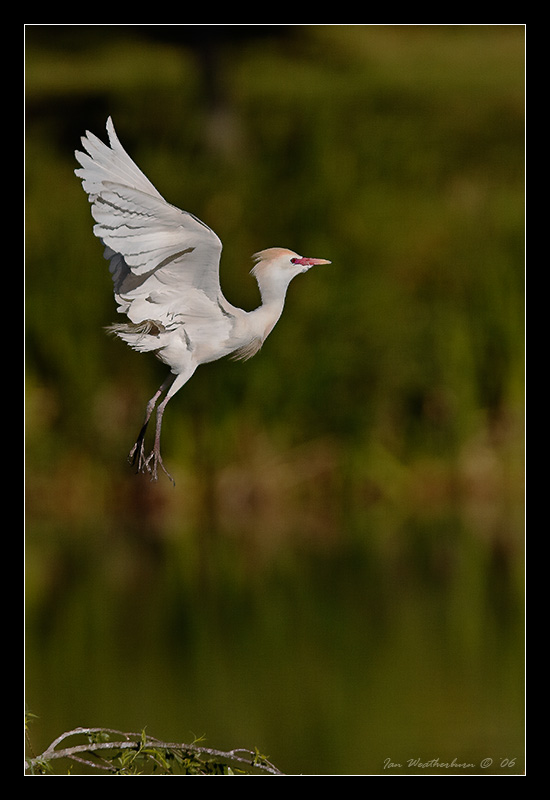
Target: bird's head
pixel 282 264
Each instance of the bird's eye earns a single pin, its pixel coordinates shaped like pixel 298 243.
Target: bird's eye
pixel 293 260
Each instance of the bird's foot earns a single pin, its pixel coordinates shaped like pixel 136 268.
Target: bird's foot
pixel 153 462
pixel 136 456
pixel 147 464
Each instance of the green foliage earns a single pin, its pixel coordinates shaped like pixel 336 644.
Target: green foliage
pixel 397 153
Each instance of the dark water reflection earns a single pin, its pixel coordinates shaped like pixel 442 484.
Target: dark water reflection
pixel 343 657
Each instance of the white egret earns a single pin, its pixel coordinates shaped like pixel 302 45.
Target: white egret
pixel 165 268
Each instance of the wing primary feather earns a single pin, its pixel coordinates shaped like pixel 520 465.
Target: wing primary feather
pixel 161 258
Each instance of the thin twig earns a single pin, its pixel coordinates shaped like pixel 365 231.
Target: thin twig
pixel 137 741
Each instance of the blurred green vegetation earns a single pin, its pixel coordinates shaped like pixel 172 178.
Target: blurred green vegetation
pixel 337 576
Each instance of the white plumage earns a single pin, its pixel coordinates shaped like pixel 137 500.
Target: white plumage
pixel 165 268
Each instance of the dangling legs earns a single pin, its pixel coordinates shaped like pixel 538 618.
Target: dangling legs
pixel 136 455
pixel 155 458
pixel 151 463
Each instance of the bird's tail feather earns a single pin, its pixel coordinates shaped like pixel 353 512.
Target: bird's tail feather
pixel 143 336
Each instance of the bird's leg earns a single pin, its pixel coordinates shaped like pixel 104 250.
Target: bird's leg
pixel 136 457
pixel 154 460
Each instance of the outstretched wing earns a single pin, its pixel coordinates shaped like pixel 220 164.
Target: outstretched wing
pixel 162 258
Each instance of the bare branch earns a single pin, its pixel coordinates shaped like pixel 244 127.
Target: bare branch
pixel 100 741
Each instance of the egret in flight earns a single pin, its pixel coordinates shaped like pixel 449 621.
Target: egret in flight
pixel 165 268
